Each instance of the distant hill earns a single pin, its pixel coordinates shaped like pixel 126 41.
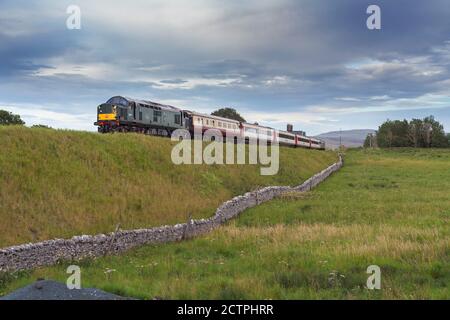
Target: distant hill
pixel 350 138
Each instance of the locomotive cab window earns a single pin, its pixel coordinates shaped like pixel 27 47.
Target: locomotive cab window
pixel 105 108
pixel 123 113
pixel 133 109
pixel 177 119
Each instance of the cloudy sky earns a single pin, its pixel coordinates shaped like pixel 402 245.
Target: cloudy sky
pixel 312 63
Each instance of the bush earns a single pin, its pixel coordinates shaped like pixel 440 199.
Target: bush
pixel 8 118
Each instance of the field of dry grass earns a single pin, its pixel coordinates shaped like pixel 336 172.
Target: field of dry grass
pixel 56 183
pixel 389 208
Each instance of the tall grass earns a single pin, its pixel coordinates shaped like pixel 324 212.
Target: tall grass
pixel 56 183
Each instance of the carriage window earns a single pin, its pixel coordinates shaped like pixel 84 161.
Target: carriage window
pixel 286 136
pixel 219 124
pixel 303 140
pixel 140 114
pixel 198 120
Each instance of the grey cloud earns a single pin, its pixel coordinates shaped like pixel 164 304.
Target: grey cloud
pixel 262 56
pixel 173 81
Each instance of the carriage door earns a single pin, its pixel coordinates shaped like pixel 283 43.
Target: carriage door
pixel 133 110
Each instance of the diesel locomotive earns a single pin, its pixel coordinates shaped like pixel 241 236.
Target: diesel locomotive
pixel 122 114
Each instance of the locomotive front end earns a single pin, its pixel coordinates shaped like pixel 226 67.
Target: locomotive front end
pixel 106 117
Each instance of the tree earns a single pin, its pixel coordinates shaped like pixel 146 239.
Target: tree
pixel 416 133
pixel 393 134
pixel 8 118
pixel 228 113
pixel 434 134
pixel 367 141
pixel 371 141
pixel 426 133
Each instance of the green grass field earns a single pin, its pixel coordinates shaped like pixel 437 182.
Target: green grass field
pixel 386 208
pixel 57 183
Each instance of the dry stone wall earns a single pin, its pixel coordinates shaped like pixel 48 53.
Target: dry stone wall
pixel 29 256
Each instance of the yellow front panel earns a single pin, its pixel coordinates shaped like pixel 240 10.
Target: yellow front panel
pixel 106 116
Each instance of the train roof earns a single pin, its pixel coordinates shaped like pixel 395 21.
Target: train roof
pixel 211 116
pixel 256 125
pixel 149 103
pixel 296 134
pixel 287 132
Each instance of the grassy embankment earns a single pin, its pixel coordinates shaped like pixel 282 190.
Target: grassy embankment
pixel 385 208
pixel 64 183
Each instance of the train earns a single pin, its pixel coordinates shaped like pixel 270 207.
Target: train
pixel 124 114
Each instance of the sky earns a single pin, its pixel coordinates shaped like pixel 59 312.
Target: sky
pixel 312 63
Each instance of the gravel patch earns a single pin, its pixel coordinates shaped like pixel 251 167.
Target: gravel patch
pixel 52 290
